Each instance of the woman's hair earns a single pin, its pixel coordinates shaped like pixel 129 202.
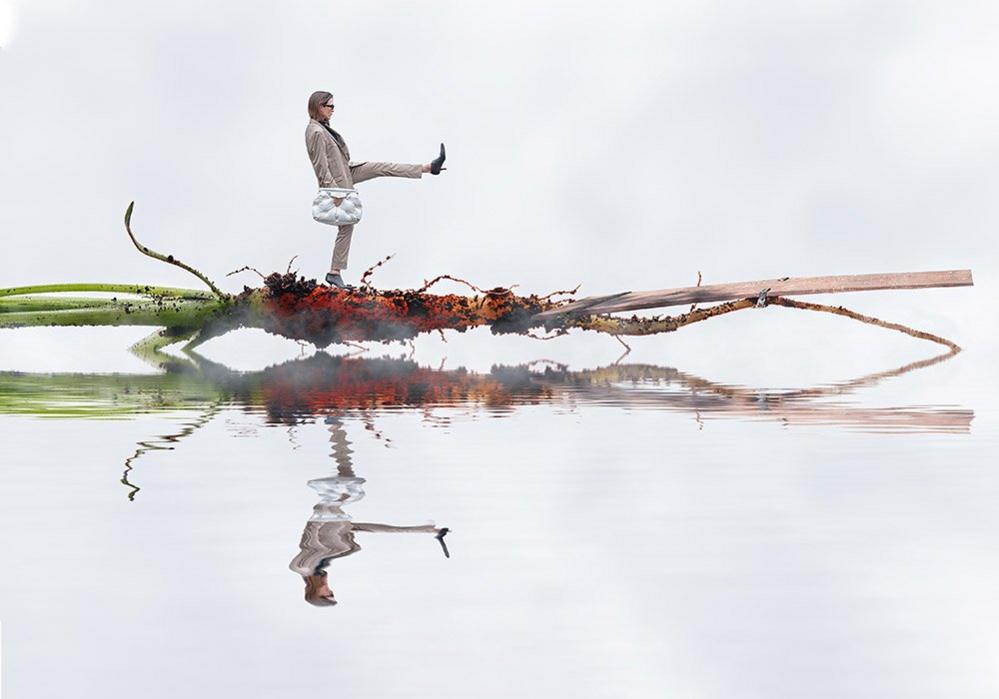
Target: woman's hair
pixel 315 586
pixel 317 100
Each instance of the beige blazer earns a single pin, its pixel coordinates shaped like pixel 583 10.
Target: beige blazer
pixel 330 161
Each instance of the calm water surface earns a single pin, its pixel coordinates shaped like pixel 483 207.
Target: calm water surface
pixel 627 530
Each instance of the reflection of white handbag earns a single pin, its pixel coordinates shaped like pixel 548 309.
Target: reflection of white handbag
pixel 325 210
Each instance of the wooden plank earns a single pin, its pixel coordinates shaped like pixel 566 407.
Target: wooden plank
pixel 788 286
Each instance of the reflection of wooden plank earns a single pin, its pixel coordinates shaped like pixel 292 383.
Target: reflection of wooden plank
pixel 637 386
pixel 772 407
pixel 788 286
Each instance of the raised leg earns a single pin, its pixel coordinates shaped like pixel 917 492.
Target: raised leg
pixel 371 169
pixel 374 527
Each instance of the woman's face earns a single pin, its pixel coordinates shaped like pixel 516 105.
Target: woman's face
pixel 327 109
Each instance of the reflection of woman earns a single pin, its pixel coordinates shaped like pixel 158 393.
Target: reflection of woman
pixel 329 533
pixel 331 161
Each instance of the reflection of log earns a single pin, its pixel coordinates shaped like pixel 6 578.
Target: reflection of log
pixel 659 388
pixel 787 286
pixel 302 390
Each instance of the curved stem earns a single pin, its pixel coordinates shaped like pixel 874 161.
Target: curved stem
pixel 164 442
pixel 169 259
pixel 870 320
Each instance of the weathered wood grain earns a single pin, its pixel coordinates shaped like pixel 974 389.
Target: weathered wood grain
pixel 787 286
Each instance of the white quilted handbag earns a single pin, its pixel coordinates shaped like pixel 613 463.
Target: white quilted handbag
pixel 325 210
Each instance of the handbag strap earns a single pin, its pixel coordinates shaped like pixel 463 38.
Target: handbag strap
pixel 338 192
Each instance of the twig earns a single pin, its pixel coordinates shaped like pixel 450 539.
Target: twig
pixel 369 424
pixel 291 439
pixel 627 350
pixel 358 347
pixel 248 269
pixel 558 366
pixel 290 262
pixel 427 285
pixel 694 305
pixel 558 293
pixel 170 259
pixel 364 277
pixel 551 336
pixel 627 347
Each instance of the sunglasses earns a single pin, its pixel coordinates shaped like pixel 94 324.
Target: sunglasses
pixel 328 105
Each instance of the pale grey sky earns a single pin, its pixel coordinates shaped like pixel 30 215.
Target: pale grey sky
pixel 622 145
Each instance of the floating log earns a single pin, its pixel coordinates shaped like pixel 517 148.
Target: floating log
pixel 301 309
pixel 786 286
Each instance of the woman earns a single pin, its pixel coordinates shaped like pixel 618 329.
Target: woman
pixel 331 161
pixel 329 533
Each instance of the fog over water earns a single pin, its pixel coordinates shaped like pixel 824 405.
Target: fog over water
pixel 684 534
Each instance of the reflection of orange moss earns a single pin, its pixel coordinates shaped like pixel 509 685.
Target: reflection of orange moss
pixel 299 309
pixel 323 383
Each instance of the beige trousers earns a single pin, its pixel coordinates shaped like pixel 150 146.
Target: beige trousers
pixel 359 173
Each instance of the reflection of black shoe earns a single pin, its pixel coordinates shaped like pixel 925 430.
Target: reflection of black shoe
pixel 337 281
pixel 435 164
pixel 440 537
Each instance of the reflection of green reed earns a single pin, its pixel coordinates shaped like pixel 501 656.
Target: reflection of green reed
pixel 163 442
pixel 102 395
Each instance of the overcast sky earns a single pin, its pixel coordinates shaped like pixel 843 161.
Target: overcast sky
pixel 623 146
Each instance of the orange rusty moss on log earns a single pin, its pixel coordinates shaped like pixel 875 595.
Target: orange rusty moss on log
pixel 300 309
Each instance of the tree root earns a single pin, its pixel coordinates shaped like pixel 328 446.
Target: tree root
pixel 870 320
pixel 656 324
pixel 662 324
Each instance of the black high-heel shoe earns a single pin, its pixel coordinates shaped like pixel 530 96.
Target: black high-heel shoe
pixel 435 164
pixel 440 539
pixel 335 280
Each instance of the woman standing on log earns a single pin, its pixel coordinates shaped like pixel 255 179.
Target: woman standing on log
pixel 331 161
